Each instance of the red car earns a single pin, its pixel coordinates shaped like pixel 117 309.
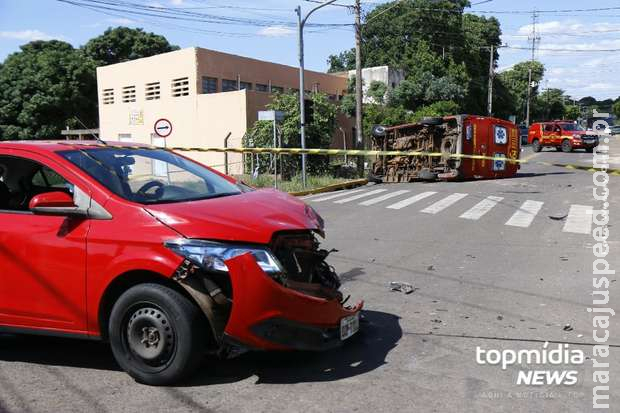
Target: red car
pixel 163 257
pixel 561 135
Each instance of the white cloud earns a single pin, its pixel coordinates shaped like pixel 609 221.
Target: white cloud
pixel 176 2
pixel 29 35
pixel 275 31
pixel 122 21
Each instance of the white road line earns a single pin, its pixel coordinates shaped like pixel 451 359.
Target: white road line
pixel 406 202
pixel 337 195
pixel 443 204
pixel 525 215
pixel 359 196
pixel 384 197
pixel 481 208
pixel 579 220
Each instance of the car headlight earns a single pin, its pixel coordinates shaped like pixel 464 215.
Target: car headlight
pixel 211 255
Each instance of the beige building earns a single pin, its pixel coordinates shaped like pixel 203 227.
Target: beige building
pixel 199 96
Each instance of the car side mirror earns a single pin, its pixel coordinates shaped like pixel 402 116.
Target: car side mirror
pixel 55 203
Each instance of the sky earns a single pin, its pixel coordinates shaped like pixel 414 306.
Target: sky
pixel 587 63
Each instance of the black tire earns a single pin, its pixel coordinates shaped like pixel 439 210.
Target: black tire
pixel 536 145
pixel 589 150
pixel 566 146
pixel 432 121
pixel 174 328
pixel 558 148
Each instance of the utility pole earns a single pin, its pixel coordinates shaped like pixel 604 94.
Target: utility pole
pixel 491 76
pixel 302 110
pixel 534 38
pixel 359 94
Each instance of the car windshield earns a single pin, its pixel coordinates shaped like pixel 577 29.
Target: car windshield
pixel 572 127
pixel 150 176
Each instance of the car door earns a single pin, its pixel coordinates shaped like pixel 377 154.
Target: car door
pixel 42 258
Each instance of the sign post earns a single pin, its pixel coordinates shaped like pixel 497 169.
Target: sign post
pixel 274 116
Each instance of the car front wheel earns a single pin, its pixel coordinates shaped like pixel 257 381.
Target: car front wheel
pixel 158 336
pixel 536 145
pixel 566 146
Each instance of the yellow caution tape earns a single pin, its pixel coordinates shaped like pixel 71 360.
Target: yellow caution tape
pixel 352 152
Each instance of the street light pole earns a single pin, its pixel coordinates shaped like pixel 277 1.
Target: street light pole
pixel 302 110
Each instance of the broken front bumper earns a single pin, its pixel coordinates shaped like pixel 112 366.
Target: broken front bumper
pixel 266 315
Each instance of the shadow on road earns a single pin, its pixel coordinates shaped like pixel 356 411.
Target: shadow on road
pixel 365 352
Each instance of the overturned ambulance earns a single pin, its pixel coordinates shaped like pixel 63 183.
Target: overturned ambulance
pixel 440 139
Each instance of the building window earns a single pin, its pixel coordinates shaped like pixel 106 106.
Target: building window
pixel 209 84
pixel 108 96
pixel 262 88
pixel 129 94
pixel 229 85
pixel 152 91
pixel 277 89
pixel 245 85
pixel 180 87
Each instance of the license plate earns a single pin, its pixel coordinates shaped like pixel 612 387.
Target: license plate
pixel 349 326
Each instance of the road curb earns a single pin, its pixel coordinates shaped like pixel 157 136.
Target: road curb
pixel 331 188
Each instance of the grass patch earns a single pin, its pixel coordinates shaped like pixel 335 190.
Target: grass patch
pixel 294 185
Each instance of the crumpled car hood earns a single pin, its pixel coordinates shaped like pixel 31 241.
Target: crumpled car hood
pixel 249 217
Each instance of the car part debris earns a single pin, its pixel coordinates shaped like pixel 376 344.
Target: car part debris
pixel 402 287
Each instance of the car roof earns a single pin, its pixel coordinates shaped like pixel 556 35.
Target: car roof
pixel 63 145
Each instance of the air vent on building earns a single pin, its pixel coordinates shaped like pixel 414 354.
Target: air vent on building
pixel 129 94
pixel 180 87
pixel 152 91
pixel 108 96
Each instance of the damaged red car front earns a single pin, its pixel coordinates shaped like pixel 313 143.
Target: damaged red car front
pixel 279 296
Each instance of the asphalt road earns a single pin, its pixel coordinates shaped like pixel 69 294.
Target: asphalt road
pixel 510 277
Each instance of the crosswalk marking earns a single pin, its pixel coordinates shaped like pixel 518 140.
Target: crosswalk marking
pixel 444 203
pixel 579 220
pixel 384 197
pixel 337 195
pixel 409 201
pixel 481 208
pixel 359 196
pixel 525 215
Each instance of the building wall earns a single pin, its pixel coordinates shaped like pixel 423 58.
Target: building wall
pixel 231 67
pixel 198 120
pixel 384 74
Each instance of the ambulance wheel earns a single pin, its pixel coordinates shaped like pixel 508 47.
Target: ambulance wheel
pixel 566 147
pixel 536 145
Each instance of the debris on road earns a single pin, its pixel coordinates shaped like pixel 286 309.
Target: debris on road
pixel 568 327
pixel 558 218
pixel 500 317
pixel 402 287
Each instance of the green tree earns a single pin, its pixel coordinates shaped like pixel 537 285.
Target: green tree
pixel 515 81
pixel 549 105
pixel 572 112
pixel 616 109
pixel 442 52
pixel 123 43
pixel 45 87
pixel 341 62
pixel 320 127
